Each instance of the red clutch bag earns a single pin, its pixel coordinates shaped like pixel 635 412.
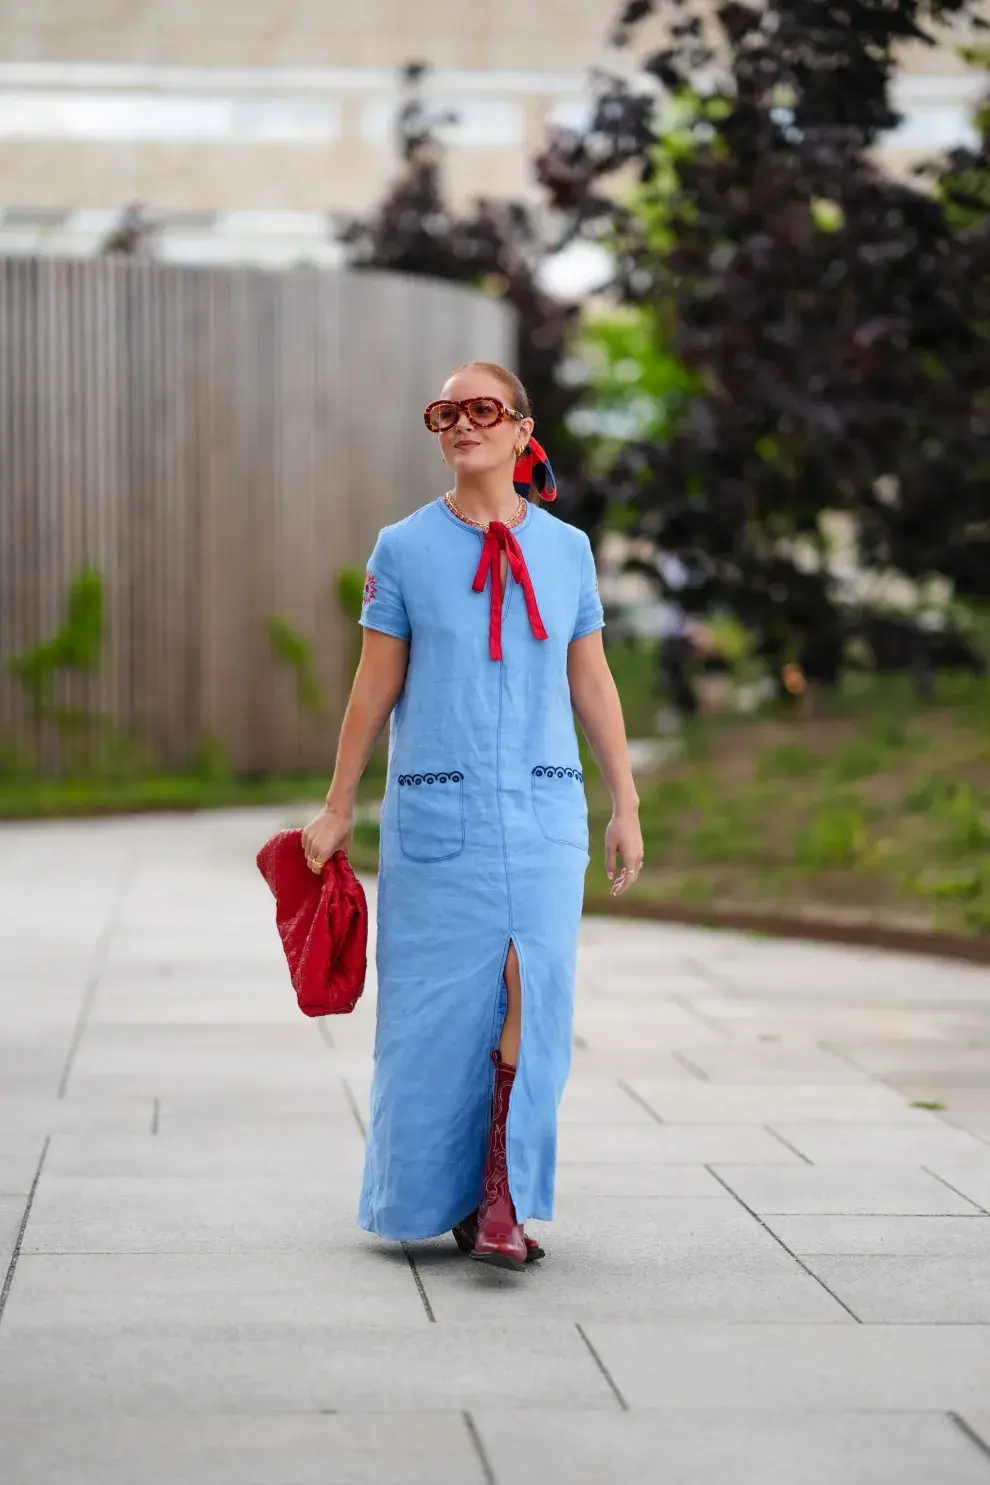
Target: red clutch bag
pixel 322 922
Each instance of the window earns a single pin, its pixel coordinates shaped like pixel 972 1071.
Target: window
pixel 130 116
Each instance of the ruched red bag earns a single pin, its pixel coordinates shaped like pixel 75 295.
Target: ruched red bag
pixel 322 922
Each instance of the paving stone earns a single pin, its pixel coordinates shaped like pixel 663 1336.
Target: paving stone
pixel 19 1158
pixel 811 1368
pixel 719 1103
pixel 639 981
pixel 632 1259
pixel 629 1179
pixel 680 1448
pixel 672 1144
pixel 980 1424
pixel 335 1156
pixel 946 1291
pixel 29 1115
pixel 963 1108
pixel 952 1064
pixel 200 1300
pixel 191 1001
pixel 175 1215
pixel 896 1237
pixel 879 1144
pixel 970 1178
pixel 269 1053
pixel 853 1190
pixel 241 1449
pixel 254 1368
pixel 353 1281
pixel 11 1216
pixel 768 1063
pixel 663 1024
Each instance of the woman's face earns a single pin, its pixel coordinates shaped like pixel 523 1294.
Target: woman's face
pixel 473 451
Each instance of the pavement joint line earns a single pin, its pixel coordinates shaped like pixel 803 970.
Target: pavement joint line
pixel 23 1228
pixel 943 1117
pixel 793 1148
pixel 603 1369
pixel 479 1449
pixel 77 1035
pixel 970 1433
pixel 156 1110
pixel 631 1093
pixel 691 1067
pixel 325 1032
pixel 353 1106
pixel 688 1006
pixel 779 1240
pixel 714 979
pixel 982 1210
pixel 834 1050
pixel 421 1287
pixel 93 979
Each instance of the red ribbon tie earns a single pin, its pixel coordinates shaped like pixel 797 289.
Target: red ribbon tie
pixel 499 539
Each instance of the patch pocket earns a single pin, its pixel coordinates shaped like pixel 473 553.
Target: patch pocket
pixel 560 807
pixel 431 815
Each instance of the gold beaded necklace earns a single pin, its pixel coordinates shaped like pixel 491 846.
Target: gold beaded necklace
pixel 517 519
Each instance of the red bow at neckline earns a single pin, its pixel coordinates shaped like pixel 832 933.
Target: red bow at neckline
pixel 499 539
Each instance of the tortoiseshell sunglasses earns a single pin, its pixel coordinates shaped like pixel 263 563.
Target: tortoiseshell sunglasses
pixel 484 412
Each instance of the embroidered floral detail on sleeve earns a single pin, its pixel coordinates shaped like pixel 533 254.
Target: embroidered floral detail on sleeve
pixel 370 588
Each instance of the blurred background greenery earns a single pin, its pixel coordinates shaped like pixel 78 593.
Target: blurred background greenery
pixel 767 402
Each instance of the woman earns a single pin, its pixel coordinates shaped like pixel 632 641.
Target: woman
pixel 484 834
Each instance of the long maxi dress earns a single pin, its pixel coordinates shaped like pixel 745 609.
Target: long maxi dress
pixel 484 843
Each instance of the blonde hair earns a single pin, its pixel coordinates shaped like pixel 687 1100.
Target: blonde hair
pixel 518 394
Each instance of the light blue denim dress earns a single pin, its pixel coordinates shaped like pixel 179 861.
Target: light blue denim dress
pixel 484 842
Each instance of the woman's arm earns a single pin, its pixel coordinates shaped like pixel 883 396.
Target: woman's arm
pixel 598 709
pixel 381 675
pixel 378 683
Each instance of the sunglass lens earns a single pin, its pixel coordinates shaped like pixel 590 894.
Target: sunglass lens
pixel 484 411
pixel 443 416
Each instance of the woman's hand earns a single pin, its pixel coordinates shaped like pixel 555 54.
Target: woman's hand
pixel 624 839
pixel 330 831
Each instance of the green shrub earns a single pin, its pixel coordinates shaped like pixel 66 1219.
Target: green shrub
pixel 859 759
pixel 296 651
pixel 787 761
pixel 78 645
pixel 836 837
pixel 933 789
pixel 940 885
pixel 212 760
pixel 350 591
pixel 967 826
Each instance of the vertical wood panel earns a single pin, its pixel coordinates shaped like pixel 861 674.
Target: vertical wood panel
pixel 218 444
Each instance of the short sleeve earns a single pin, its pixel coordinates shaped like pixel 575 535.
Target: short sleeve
pixel 382 607
pixel 589 611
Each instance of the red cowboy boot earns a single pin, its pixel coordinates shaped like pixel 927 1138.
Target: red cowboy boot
pixel 500 1240
pixel 466 1232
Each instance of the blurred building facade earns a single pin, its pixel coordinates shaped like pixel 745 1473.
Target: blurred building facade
pixel 242 125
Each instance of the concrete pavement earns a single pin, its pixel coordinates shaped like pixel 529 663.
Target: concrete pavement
pixel 768 1262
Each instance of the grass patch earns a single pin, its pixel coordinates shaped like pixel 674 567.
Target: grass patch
pixel 877 808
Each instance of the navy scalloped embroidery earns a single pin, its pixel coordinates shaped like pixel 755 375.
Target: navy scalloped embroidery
pixel 430 778
pixel 558 773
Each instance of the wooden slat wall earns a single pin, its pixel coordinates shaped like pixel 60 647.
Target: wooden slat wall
pixel 218 444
